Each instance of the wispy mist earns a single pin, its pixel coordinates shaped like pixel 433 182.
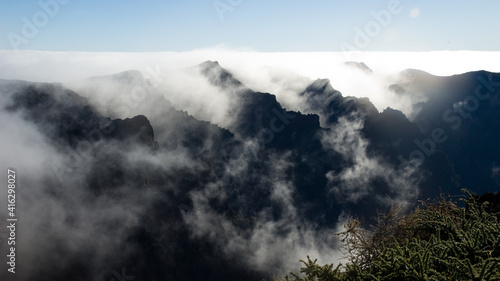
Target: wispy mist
pixel 86 195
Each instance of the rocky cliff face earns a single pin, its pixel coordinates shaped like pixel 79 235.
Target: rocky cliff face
pixel 68 118
pixel 136 130
pixel 175 198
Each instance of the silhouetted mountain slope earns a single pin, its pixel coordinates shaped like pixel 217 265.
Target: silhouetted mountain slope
pixel 454 132
pixel 390 135
pixel 137 128
pixel 201 202
pixel 218 75
pixel 64 115
pixel 324 100
pixel 130 93
pixel 466 108
pixel 67 119
pixel 360 65
pixel 260 117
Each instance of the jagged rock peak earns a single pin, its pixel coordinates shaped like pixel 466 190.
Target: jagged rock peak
pixel 217 75
pixel 210 64
pixel 359 65
pixel 392 111
pixel 138 128
pixel 320 86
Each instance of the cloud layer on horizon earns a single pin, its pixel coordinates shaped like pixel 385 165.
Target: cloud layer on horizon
pixel 281 74
pixel 167 78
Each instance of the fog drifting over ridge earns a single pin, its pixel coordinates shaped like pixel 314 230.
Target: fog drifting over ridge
pixel 174 79
pixel 281 74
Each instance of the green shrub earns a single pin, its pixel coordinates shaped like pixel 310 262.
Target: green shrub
pixel 436 241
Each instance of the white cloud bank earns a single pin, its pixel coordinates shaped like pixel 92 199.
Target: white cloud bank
pixel 283 74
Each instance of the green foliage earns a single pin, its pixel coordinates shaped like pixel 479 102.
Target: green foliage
pixel 436 241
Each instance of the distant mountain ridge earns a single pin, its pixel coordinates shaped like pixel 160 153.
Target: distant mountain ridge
pixel 270 165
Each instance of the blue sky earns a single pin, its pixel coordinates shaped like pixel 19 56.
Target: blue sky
pixel 261 25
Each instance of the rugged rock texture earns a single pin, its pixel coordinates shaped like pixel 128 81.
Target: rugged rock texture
pixel 338 147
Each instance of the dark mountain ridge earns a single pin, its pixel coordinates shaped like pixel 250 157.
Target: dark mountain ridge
pixel 233 172
pixel 464 109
